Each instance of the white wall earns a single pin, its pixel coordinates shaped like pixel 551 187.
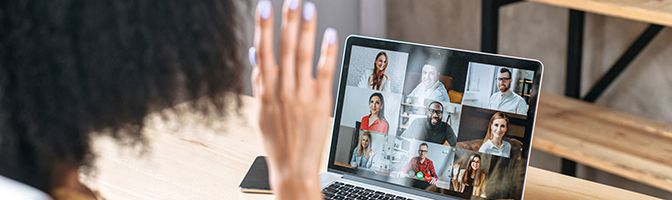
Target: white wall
pixel 480 80
pixel 343 15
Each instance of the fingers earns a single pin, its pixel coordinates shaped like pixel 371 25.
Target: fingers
pixel 306 46
pixel 288 42
pixel 327 64
pixel 264 58
pixel 256 83
pixel 298 31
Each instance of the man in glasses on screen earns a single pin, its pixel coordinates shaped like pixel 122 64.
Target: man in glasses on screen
pixel 421 166
pixel 505 99
pixel 433 128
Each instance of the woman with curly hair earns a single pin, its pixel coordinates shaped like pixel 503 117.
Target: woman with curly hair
pixel 74 69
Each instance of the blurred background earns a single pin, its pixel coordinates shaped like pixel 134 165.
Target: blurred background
pixel 526 30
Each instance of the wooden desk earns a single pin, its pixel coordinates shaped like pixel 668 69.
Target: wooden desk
pixel 649 11
pixel 187 160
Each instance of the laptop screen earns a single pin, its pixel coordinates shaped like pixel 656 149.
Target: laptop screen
pixel 446 121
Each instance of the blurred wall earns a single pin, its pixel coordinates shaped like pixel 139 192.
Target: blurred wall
pixel 344 15
pixel 539 31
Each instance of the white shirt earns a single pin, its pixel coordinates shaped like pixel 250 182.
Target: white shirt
pixel 364 83
pixel 14 190
pixel 490 148
pixel 508 102
pixel 436 91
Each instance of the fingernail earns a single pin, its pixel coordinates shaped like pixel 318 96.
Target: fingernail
pixel 264 9
pixel 252 56
pixel 293 4
pixel 330 35
pixel 308 11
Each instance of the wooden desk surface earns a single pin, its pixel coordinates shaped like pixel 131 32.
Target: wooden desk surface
pixel 650 11
pixel 189 160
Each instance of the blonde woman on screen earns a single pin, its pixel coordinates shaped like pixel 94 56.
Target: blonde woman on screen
pixel 362 155
pixel 494 142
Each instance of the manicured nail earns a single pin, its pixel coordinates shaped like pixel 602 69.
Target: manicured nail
pixel 252 56
pixel 264 9
pixel 330 35
pixel 293 4
pixel 308 11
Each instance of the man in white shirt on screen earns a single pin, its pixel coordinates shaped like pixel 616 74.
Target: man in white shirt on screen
pixel 430 87
pixel 505 99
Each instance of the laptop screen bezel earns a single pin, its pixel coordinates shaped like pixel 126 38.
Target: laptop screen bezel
pixel 407 47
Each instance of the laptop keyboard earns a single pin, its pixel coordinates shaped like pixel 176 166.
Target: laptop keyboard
pixel 338 190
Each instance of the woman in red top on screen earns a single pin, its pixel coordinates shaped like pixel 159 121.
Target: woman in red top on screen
pixel 375 121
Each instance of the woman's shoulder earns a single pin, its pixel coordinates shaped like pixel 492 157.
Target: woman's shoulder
pixel 507 145
pixel 483 147
pixel 12 189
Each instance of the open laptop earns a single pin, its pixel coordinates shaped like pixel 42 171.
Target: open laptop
pixel 425 122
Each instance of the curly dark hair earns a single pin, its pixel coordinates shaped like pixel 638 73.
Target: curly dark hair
pixel 70 69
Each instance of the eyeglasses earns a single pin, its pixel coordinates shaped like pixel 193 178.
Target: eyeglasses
pixel 438 112
pixel 422 151
pixel 503 78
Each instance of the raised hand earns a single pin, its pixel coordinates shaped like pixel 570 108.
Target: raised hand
pixel 294 106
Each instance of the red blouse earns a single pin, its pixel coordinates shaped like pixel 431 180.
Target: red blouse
pixel 379 126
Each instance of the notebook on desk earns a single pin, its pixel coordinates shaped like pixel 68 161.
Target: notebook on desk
pixel 416 121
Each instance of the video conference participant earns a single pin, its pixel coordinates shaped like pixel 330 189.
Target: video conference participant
pixel 494 143
pixel 505 99
pixel 362 155
pixel 423 167
pixel 375 121
pixel 430 87
pixel 432 129
pixel 471 177
pixel 377 80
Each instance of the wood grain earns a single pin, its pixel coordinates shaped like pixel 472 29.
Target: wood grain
pixel 542 184
pixel 649 11
pixel 608 140
pixel 189 159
